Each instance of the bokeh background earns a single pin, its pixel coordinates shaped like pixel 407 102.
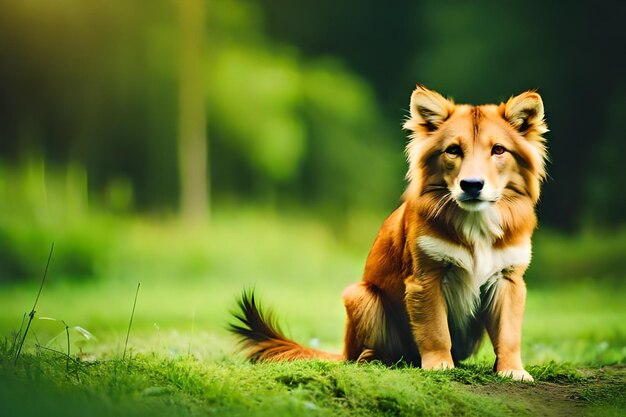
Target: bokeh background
pixel 203 146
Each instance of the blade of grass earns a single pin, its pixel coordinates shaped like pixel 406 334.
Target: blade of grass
pixel 31 315
pixel 67 361
pixel 130 323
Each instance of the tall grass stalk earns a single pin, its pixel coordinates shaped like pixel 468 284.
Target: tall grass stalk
pixel 130 323
pixel 31 315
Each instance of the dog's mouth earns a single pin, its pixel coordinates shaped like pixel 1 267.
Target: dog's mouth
pixel 473 203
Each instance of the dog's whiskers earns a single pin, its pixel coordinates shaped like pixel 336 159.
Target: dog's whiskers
pixel 438 208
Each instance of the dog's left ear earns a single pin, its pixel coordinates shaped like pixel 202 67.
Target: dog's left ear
pixel 525 113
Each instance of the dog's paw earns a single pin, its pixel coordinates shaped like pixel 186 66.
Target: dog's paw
pixel 437 362
pixel 517 375
pixel 440 366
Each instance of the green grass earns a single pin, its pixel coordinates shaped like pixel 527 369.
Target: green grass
pixel 183 362
pixel 188 386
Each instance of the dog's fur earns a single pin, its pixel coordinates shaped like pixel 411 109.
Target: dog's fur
pixel 449 262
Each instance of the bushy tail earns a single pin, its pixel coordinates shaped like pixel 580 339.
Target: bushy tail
pixel 262 339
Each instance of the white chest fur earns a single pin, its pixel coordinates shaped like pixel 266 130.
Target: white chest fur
pixel 469 270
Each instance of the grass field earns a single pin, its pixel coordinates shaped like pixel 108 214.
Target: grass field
pixel 181 361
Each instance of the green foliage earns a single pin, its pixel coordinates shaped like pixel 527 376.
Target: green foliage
pixel 40 206
pixel 256 95
pixel 182 362
pixel 43 204
pixel 282 127
pixel 354 162
pixel 604 202
pixel 308 125
pixel 588 256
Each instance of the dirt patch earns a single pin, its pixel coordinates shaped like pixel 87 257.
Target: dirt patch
pixel 539 399
pixel 603 388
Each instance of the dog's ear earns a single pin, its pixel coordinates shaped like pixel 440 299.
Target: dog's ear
pixel 525 113
pixel 429 110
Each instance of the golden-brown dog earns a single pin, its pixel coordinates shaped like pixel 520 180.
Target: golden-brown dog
pixel 449 262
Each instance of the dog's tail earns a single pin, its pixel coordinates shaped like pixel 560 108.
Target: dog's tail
pixel 262 339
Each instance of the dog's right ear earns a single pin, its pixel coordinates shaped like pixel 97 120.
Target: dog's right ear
pixel 429 110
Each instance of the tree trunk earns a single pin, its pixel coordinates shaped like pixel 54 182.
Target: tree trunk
pixel 192 137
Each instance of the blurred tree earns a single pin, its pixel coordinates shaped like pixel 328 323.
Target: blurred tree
pixel 192 140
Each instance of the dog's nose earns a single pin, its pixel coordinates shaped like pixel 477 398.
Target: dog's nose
pixel 472 186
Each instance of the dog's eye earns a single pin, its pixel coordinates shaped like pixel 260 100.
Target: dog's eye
pixel 454 150
pixel 498 150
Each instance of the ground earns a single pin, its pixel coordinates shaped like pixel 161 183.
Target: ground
pixel 599 392
pixel 180 360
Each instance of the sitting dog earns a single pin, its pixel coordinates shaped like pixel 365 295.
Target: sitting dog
pixel 449 262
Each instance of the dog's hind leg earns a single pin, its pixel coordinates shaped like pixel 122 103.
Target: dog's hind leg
pixel 365 322
pixel 373 329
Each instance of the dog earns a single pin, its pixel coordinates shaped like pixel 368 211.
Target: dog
pixel 448 263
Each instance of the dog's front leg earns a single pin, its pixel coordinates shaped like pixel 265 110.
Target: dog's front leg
pixel 426 308
pixel 504 324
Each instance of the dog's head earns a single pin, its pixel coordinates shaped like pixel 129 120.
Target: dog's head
pixel 476 155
